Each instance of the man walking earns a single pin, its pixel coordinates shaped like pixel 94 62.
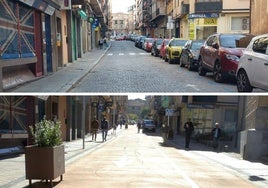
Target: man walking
pixel 104 129
pixel 216 134
pixel 94 128
pixel 189 128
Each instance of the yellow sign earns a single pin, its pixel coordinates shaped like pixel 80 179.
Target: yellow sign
pixel 207 21
pixel 192 30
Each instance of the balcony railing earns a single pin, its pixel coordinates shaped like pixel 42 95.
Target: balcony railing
pixel 208 7
pixel 159 12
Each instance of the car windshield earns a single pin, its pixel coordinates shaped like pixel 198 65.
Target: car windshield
pixel 196 45
pixel 230 41
pixel 159 41
pixel 178 42
pixel 150 40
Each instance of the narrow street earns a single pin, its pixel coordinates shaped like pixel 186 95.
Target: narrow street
pixel 140 160
pixel 125 68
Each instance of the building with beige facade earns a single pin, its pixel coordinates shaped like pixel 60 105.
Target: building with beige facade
pixel 199 19
pixel 120 24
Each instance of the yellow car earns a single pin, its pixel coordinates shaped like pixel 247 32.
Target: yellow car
pixel 174 49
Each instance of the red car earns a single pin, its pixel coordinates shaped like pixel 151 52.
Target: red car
pixel 221 53
pixel 163 48
pixel 148 43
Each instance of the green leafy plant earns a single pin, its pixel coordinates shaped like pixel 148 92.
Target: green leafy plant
pixel 47 133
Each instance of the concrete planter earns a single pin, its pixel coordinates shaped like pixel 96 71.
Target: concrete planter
pixel 45 163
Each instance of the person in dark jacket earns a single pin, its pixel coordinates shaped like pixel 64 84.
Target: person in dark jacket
pixel 94 128
pixel 189 128
pixel 216 134
pixel 104 129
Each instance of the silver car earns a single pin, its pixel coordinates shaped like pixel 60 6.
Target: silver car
pixel 252 71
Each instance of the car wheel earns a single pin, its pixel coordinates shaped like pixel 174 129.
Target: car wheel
pixel 243 84
pixel 181 63
pixel 169 59
pixel 201 69
pixel 218 76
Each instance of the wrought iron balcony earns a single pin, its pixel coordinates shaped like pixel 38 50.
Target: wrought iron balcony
pixel 208 7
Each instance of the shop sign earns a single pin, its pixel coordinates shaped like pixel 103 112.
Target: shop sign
pixel 169 112
pixel 207 21
pixel 205 106
pixel 192 30
pixel 206 15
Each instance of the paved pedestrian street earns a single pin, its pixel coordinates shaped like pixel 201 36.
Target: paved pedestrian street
pixel 140 160
pixel 131 159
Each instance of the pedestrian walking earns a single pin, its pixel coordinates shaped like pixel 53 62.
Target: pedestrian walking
pixel 101 43
pixel 189 128
pixel 114 129
pixel 105 42
pixel 104 129
pixel 94 128
pixel 216 134
pixel 164 130
pixel 139 126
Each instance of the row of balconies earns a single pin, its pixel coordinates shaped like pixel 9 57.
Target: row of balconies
pixel 200 7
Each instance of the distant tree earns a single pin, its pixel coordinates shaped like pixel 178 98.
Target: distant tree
pixel 133 117
pixel 145 112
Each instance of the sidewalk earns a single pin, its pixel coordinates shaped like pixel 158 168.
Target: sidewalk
pixel 64 79
pixel 254 172
pixel 12 173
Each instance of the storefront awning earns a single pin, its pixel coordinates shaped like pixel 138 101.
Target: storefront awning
pixel 46 6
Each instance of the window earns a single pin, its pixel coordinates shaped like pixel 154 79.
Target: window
pixel 260 45
pixel 211 40
pixel 239 23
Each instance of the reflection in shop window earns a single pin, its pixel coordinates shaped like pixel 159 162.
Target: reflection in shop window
pixel 240 23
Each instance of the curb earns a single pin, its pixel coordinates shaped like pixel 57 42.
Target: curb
pixel 88 71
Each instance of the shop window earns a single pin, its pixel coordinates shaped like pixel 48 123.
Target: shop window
pixel 239 23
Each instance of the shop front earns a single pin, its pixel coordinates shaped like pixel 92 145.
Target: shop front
pixel 202 25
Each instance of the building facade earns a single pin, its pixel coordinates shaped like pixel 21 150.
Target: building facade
pixel 258 17
pixel 74 112
pixel 39 37
pixel 120 24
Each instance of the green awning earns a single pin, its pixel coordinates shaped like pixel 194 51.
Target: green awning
pixel 83 14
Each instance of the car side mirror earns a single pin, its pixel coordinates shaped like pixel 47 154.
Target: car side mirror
pixel 215 45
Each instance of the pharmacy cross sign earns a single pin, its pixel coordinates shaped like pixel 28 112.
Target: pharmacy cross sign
pixel 16 30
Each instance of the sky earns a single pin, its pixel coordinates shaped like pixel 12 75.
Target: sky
pixel 132 96
pixel 121 5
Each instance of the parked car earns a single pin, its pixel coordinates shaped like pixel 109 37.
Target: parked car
pixel 174 48
pixel 221 53
pixel 139 42
pixel 156 47
pixel 163 48
pixel 148 125
pixel 252 71
pixel 190 54
pixel 148 43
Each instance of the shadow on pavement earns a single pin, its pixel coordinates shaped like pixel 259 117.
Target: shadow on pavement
pixel 43 184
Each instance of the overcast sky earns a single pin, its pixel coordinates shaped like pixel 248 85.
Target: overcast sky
pixel 121 5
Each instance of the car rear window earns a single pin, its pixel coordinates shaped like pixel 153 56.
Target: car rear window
pixel 231 41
